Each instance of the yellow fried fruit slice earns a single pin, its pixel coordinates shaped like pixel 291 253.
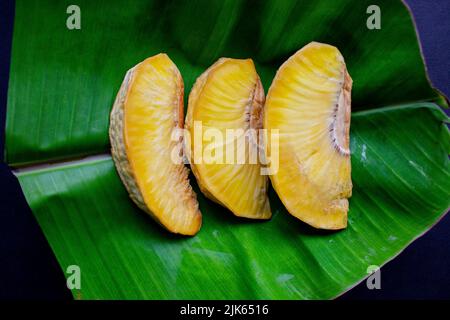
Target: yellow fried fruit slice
pixel 309 103
pixel 228 97
pixel 148 107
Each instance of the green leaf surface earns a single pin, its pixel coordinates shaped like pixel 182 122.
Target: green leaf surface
pixel 63 82
pixel 61 89
pixel 401 188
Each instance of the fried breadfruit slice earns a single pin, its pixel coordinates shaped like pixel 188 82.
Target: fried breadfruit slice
pixel 309 103
pixel 148 107
pixel 229 95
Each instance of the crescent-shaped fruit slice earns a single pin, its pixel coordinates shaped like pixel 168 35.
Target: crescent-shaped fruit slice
pixel 309 103
pixel 148 107
pixel 229 97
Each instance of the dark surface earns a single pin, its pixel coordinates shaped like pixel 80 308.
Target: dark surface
pixel 433 26
pixel 28 268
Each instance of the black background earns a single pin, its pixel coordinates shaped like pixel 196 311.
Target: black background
pixel 28 268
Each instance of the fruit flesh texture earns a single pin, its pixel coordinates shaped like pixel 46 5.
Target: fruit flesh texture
pixel 309 102
pixel 150 108
pixel 229 95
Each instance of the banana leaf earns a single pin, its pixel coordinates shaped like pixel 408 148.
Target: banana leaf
pixel 62 86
